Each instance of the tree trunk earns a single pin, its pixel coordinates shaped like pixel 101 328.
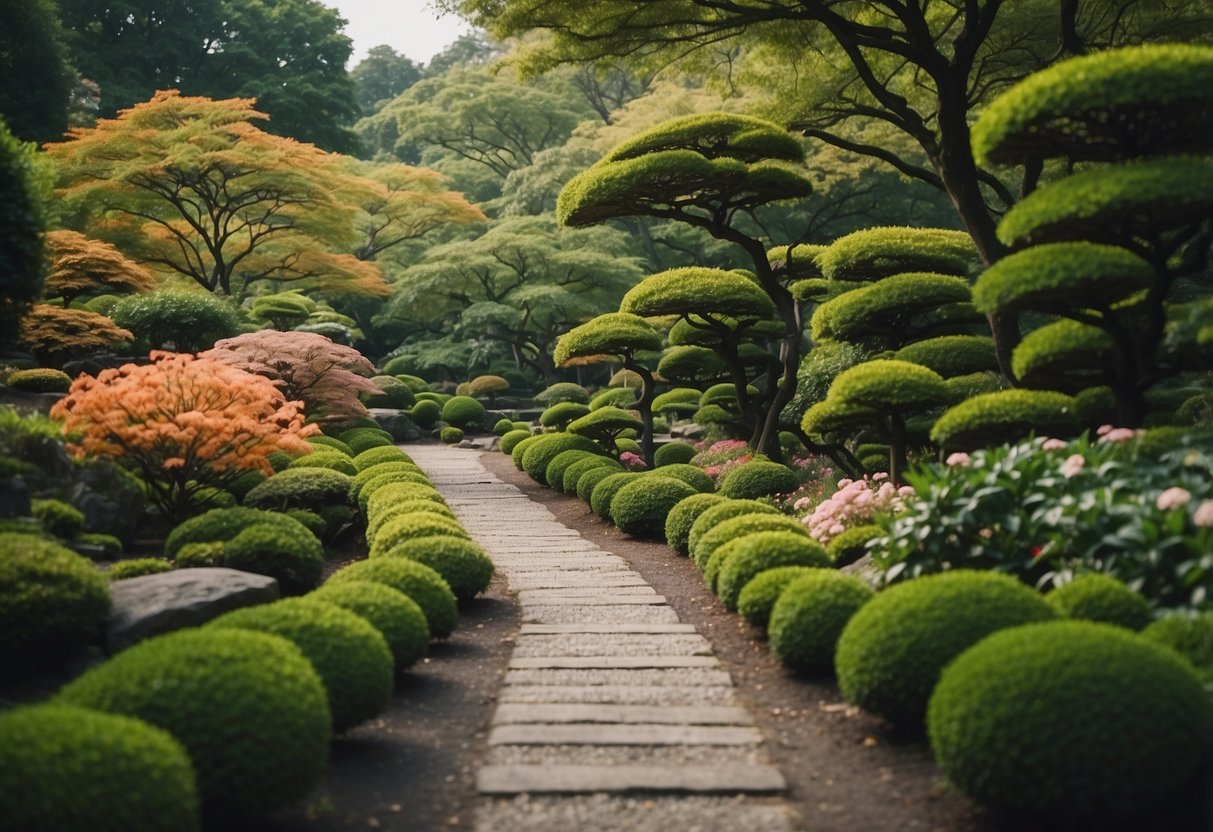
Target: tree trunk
pixel 645 405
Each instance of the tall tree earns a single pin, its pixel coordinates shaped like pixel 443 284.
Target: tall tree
pixel 22 219
pixel 81 267
pixel 36 78
pixel 381 76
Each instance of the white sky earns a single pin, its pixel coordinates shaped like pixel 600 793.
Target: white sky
pixel 411 27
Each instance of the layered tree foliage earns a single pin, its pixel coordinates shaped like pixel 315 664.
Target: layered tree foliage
pixel 36 76
pixel 290 55
pixel 55 333
pixel 81 267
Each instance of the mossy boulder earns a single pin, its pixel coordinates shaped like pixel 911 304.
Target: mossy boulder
pixel 1096 597
pixel 416 580
pixel 461 563
pixel 810 615
pixel 641 506
pixel 396 616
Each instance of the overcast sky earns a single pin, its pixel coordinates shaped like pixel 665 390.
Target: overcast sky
pixel 411 27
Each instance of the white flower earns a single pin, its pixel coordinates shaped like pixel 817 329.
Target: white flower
pixel 1173 498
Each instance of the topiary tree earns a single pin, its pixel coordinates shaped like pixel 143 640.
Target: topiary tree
pixel 677 403
pixel 560 414
pixel 562 391
pixel 606 426
pixel 82 267
pixel 1006 416
pixel 178 319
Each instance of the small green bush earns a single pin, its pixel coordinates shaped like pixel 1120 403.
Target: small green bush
pixel 450 435
pixel 641 506
pixel 282 547
pixel 852 544
pixel 137 567
pixel 692 475
pixel 461 563
pixel 1189 635
pixel 673 453
pixel 464 412
pixel 402 527
pixel 682 516
pixel 309 488
pixel 739 526
pixel 40 380
pixel 312 521
pixel 724 510
pixel 385 498
pixel 891 653
pixel 416 580
pixel 604 492
pixel 520 448
pixel 1005 416
pixel 622 397
pixel 810 615
pixel 248 707
pixel 502 426
pixel 394 394
pixel 70 769
pixel 758 478
pixel 562 391
pixel 330 442
pixel 363 439
pixel 588 481
pixel 384 479
pixel 378 455
pixel 58 518
pixel 109 546
pixel 402 507
pixel 1074 722
pixel 558 416
pixel 756 599
pixel 270 550
pixel 426 413
pixel 554 473
pixel 572 474
pixel 335 461
pixel 190 320
pixel 544 449
pixel 365 476
pixel 743 558
pixel 1093 596
pixel 51 599
pixel 395 615
pixel 351 657
pixel 510 440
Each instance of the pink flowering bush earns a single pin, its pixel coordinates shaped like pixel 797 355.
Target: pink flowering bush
pixel 632 461
pixel 855 503
pixel 718 458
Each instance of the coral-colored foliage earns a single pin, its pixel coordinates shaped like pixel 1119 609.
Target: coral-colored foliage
pixel 80 266
pixel 53 331
pixel 183 423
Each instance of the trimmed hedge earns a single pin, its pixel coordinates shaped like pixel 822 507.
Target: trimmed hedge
pixel 363 439
pixel 682 516
pixel 521 447
pixel 363 477
pixel 848 547
pixel 138 567
pixel 758 597
pixel 810 615
pixel 726 510
pixel 742 559
pixel 674 453
pixel 545 448
pixel 384 501
pixel 450 435
pixel 952 355
pixel 402 527
pixel 1189 635
pixel 396 616
pixel 39 380
pixel 416 580
pixel 333 461
pixel 604 492
pixel 558 416
pixel 758 478
pixel 554 473
pixel 572 474
pixel 464 412
pixel 309 488
pixel 562 391
pixel 402 507
pixel 510 440
pixel 1097 597
pixel 692 475
pixel 58 518
pixel 426 413
pixel 461 563
pixel 735 527
pixel 874 253
pixel 1005 416
pixel 250 710
pixel 380 454
pixel 330 442
pixel 641 506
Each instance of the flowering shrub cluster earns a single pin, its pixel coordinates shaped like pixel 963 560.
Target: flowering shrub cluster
pixel 632 461
pixel 718 458
pixel 854 503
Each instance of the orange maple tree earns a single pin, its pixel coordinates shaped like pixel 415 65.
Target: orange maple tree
pixel 54 333
pixel 80 266
pixel 182 423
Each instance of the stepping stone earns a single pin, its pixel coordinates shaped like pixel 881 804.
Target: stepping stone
pixel 646 735
pixel 560 629
pixel 702 676
pixel 539 595
pixel 664 696
pixel 518 714
pixel 610 662
pixel 624 778
pixel 590 600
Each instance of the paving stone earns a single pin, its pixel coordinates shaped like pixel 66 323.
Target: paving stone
pixel 706 677
pixel 612 645
pixel 560 594
pixel 640 613
pixel 534 779
pixel 561 734
pixel 590 583
pixel 636 813
pixel 608 627
pixel 610 662
pixel 625 755
pixel 663 695
pixel 521 714
pixel 530 598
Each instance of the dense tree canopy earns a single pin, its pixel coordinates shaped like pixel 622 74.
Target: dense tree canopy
pixel 36 77
pixel 381 76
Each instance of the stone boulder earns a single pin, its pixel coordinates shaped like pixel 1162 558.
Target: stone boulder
pixel 110 498
pixel 396 422
pixel 153 604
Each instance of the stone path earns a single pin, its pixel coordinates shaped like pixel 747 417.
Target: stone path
pixel 614 715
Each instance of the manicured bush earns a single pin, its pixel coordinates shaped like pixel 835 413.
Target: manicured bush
pixel 852 544
pixel 330 442
pixel 1005 416
pixel 1071 721
pixel 309 488
pixel 892 652
pixel 554 473
pixel 620 397
pixel 382 479
pixel 136 567
pixel 351 657
pixel 683 515
pixel 739 526
pixel 558 416
pixel 572 474
pixel 725 510
pixel 692 475
pixel 396 616
pixel 250 710
pixel 384 499
pixel 416 580
pixel 641 506
pixel 1097 597
pixel 450 435
pixel 402 527
pixel 51 599
pixel 426 413
pixel 874 253
pixel 39 380
pixel 520 448
pixel 365 476
pixel 757 597
pixel 604 492
pixel 186 319
pixel 717 545
pixel 312 521
pixel 379 455
pixel 544 449
pixel 269 550
pixel 952 355
pixel 363 439
pixel 510 439
pixel 332 461
pixel 562 391
pixel 58 518
pixel 810 615
pixel 406 506
pixel 67 769
pixel 502 426
pixel 1189 635
pixel 588 481
pixel 672 453
pixel 461 563
pixel 741 559
pixel 464 412
pixel 393 393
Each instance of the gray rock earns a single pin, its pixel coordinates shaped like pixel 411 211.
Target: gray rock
pixel 14 497
pixel 396 422
pixel 866 571
pixel 153 604
pixel 110 498
pixel 689 430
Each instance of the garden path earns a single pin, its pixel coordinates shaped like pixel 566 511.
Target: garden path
pixel 613 714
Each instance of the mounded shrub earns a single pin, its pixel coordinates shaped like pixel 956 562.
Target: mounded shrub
pixel 891 653
pixel 1075 721
pixel 545 448
pixel 283 549
pixel 744 558
pixel 740 526
pixel 416 580
pixel 426 413
pixel 380 454
pixel 554 473
pixel 250 710
pixel 395 615
pixel 1189 635
pixel 137 567
pixel 510 439
pixel 641 506
pixel 464 412
pixel 365 476
pixel 309 488
pixel 271 550
pixel 330 442
pixel 692 475
pixel 724 510
pixel 757 597
pixel 502 426
pixel 1093 596
pixel 572 474
pixel 312 521
pixel 393 393
pixel 758 478
pixel 588 481
pixel 810 615
pixel 385 499
pixel 562 391
pixel 604 492
pixel 461 563
pixel 373 525
pixel 334 461
pixel 70 769
pixel 39 380
pixel 363 439
pixel 621 397
pixel 450 435
pixel 351 657
pixel 386 478
pixel 673 453
pixel 682 516
pixel 520 448
pixel 402 527
pixel 852 544
pixel 1005 416
pixel 58 518
pixel 559 415
pixel 51 599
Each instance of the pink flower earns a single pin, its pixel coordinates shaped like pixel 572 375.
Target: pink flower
pixel 1053 445
pixel 959 458
pixel 1203 516
pixel 985 534
pixel 1073 466
pixel 1103 429
pixel 843 483
pixel 905 491
pixel 880 475
pixel 837 529
pixel 1118 435
pixel 1173 498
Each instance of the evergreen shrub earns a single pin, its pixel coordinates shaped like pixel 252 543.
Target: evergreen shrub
pixel 641 506
pixel 416 580
pixel 811 614
pixel 461 563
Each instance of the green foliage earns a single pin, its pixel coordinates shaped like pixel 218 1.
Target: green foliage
pixel 58 518
pixel 268 749
pixel 22 220
pixel 402 527
pixel 714 135
pixel 720 531
pixel 896 310
pixel 758 478
pixel 136 567
pixel 349 654
pixel 378 455
pixel 605 425
pixel 891 653
pixel 70 769
pixel 309 488
pixel 875 253
pixel 363 439
pixel 680 401
pixel 604 491
pixel 416 580
pixel 572 474
pixel 39 380
pixel 378 469
pixel 615 333
pixel 330 442
pixel 335 461
pixel 758 597
pixel 401 507
pixel 1070 721
pixel 383 502
pixel 852 544
pixel 1097 597
pixel 426 413
pixel 692 475
pixel 554 473
pixel 617 398
pixel 1191 636
pixel 588 481
pixel 464 412
pixel 109 546
pixel 1065 354
pixel 502 426
pixel 545 448
pixel 673 453
pixel 394 394
pixel 559 415
pixel 726 509
pixel 641 506
pixel 689 365
pixel 810 615
pixel 186 320
pixel 952 355
pixel 562 391
pixel 696 290
pixel 397 617
pixel 510 440
pixel 743 558
pixel 1050 277
pixel 1005 416
pixel 461 563
pixel 51 599
pixel 450 435
pixel 682 517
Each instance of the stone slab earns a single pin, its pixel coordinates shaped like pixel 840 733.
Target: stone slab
pixel 647 735
pixel 633 812
pixel 559 629
pixel 582 614
pixel 586 582
pixel 540 594
pixel 585 644
pixel 582 779
pixel 610 662
pixel 703 676
pixel 656 695
pixel 591 600
pixel 520 714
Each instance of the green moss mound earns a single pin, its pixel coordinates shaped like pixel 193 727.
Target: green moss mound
pixel 249 708
pixel 673 453
pixel 726 510
pixel 395 615
pixel 464 412
pixel 810 615
pixel 67 769
pixel 739 526
pixel 39 380
pixel 891 653
pixel 363 439
pixel 757 597
pixel 426 413
pixel 351 656
pixel 572 473
pixel 604 492
pixel 510 440
pixel 330 442
pixel 416 580
pixel 380 454
pixel 743 558
pixel 402 507
pixel 692 475
pixel 59 518
pixel 450 435
pixel 641 506
pixel 682 516
pixel 379 469
pixel 544 449
pixel 309 488
pixel 1096 597
pixel 554 473
pixel 461 563
pixel 51 599
pixel 404 527
pixel 1070 720
pixel 137 567
pixel 1189 635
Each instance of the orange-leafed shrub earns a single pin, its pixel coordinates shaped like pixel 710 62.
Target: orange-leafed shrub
pixel 182 423
pixel 54 333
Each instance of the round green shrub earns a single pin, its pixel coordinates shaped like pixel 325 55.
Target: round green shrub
pixel 401 527
pixel 758 478
pixel 378 455
pixel 431 396
pixel 334 461
pixel 502 426
pixel 682 516
pixel 891 653
pixel 426 413
pixel 312 521
pixel 852 544
pixel 368 474
pixel 137 567
pixel 190 319
pixel 1189 635
pixel 110 547
pixel 622 397
pixel 1078 722
pixel 739 526
pixel 351 657
pixel 625 444
pixel 250 710
pixel 58 518
pixel 604 492
pixel 269 550
pixel 308 488
pixel 757 597
pixel 386 478
pixel 384 499
pixel 39 380
pixel 68 769
pixel 1093 596
pixel 51 599
pixel 450 435
pixel 330 442
pixel 405 507
pixel 562 391
pixel 510 440
pixel 726 509
pixel 281 546
pixel 692 475
pixel 641 506
pixel 521 447
pixel 363 439
pixel 572 474
pixel 464 412
pixel 395 615
pixel 673 453
pixel 545 448
pixel 1005 416
pixel 416 580
pixel 809 616
pixel 461 563
pixel 394 394
pixel 588 481
pixel 743 558
pixel 558 416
